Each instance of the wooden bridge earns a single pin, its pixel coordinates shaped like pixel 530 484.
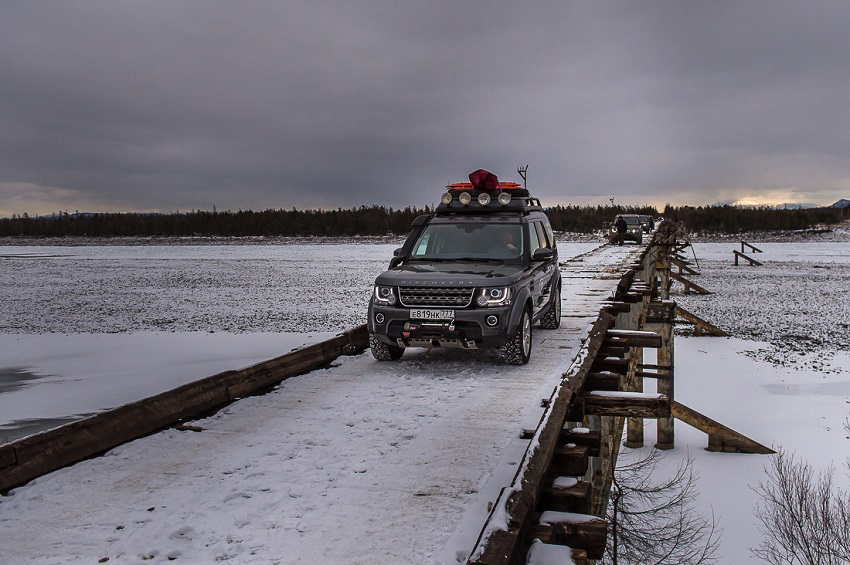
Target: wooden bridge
pixel 559 492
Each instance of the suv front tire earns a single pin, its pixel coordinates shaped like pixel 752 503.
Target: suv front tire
pixel 517 351
pixel 384 352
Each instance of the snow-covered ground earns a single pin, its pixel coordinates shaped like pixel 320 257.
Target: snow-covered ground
pixel 369 462
pixel 365 462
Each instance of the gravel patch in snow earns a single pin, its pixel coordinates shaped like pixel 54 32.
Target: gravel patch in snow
pixel 798 305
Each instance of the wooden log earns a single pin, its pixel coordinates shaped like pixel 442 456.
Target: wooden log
pixel 636 338
pixel 612 364
pixel 632 404
pixel 683 266
pixel 614 351
pixel 689 284
pixel 570 460
pixel 748 258
pixel 661 312
pixel 665 434
pixel 583 437
pixel 573 499
pixel 582 531
pixel 700 323
pixel 51 450
pixel 7 456
pixel 579 556
pixel 616 307
pixel 720 436
pixel 603 381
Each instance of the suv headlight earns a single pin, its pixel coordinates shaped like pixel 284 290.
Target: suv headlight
pixel 384 295
pixel 496 296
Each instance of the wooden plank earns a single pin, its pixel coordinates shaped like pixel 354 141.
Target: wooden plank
pixel 7 456
pixel 603 381
pixel 748 258
pixel 570 460
pixel 573 499
pixel 582 531
pixel 721 437
pixel 591 439
pixel 699 322
pixel 752 247
pixel 632 404
pixel 683 265
pixel 612 364
pixel 637 338
pixel 45 452
pixel 688 284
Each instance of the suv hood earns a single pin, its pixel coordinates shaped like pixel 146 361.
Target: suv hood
pixel 450 274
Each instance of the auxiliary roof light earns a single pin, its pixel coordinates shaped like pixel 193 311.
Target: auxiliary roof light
pixel 504 198
pixel 446 198
pixel 483 198
pixel 465 198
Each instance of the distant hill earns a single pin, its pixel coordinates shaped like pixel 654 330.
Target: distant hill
pixel 843 203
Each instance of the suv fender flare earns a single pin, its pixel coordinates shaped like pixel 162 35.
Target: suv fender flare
pixel 523 301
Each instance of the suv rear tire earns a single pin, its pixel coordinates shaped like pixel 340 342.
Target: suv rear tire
pixel 517 351
pixel 552 318
pixel 384 352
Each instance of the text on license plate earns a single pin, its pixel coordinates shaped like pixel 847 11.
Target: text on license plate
pixel 432 314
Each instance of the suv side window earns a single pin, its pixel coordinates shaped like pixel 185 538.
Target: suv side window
pixel 533 239
pixel 541 235
pixel 550 234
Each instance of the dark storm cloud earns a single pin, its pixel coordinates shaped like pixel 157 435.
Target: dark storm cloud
pixel 164 105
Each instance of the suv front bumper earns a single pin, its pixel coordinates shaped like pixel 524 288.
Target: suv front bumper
pixel 468 330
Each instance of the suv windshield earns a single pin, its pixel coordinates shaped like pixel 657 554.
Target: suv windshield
pixel 473 241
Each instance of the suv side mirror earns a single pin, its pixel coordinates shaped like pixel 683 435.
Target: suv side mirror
pixel 542 254
pixel 397 252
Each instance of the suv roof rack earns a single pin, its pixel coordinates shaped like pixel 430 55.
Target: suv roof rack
pixel 453 203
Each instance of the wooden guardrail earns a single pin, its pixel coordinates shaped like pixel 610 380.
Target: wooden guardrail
pixel 738 254
pixel 517 502
pixel 30 457
pixel 554 480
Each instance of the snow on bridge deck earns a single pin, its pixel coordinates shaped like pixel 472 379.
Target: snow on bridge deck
pixel 364 462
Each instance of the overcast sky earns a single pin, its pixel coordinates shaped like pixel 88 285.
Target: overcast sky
pixel 166 105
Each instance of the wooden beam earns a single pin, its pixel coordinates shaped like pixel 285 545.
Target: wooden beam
pixel 752 247
pixel 635 338
pixel 583 531
pixel 570 461
pixel 587 438
pixel 689 284
pixel 721 438
pixel 632 404
pixel 683 266
pixel 741 255
pixel 572 499
pixel 603 381
pixel 700 323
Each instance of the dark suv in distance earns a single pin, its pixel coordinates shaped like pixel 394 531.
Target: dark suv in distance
pixel 634 229
pixel 477 273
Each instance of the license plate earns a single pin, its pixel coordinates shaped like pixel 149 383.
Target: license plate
pixel 432 314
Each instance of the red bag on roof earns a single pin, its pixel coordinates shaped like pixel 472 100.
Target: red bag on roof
pixel 484 180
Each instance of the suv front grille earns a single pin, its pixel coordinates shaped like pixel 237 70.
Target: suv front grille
pixel 455 297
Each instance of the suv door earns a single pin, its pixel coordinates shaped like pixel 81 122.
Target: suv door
pixel 541 270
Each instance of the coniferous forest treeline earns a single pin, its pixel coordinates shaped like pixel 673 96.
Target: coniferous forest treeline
pixel 378 220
